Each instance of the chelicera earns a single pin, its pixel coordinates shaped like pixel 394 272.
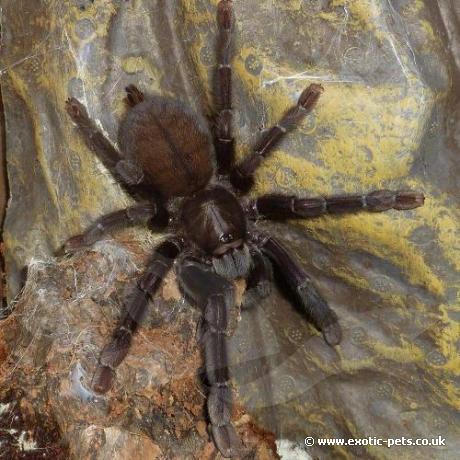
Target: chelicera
pixel 183 175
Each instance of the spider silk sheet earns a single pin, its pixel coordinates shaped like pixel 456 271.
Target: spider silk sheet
pixel 388 118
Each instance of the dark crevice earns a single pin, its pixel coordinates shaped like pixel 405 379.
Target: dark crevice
pixel 4 196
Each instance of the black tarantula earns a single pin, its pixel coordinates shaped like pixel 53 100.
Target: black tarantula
pixel 166 164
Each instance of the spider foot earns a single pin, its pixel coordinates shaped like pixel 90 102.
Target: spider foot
pixel 332 334
pixel 310 96
pixel 226 440
pixel 102 379
pixel 72 245
pixel 382 200
pixel 76 110
pixel 225 14
pixel 134 96
pixel 220 410
pixel 409 200
pixel 253 296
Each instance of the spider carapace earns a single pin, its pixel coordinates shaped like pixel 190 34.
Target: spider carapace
pixel 186 182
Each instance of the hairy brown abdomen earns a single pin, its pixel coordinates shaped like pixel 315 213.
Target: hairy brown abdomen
pixel 170 143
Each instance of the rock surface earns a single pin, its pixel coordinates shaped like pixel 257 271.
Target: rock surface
pixel 389 118
pixel 52 341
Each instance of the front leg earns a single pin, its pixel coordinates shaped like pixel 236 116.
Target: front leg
pixel 316 308
pixel 278 207
pixel 259 281
pixel 216 297
pixel 113 354
pixel 141 214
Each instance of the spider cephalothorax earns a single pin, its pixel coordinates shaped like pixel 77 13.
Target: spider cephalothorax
pixel 166 162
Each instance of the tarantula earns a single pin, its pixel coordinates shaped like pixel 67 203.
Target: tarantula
pixel 166 163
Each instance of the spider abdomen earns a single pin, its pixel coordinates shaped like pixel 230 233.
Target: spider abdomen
pixel 170 143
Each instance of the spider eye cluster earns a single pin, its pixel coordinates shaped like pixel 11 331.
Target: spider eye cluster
pixel 226 238
pixel 214 220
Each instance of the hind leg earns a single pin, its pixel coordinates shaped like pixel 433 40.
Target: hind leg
pixel 223 137
pixel 134 95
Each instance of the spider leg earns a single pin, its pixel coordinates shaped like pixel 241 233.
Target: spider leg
pixel 291 207
pixel 258 283
pixel 93 137
pixel 134 96
pixel 126 171
pixel 141 214
pixel 216 297
pixel 114 353
pixel 318 311
pixel 242 175
pixel 223 139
